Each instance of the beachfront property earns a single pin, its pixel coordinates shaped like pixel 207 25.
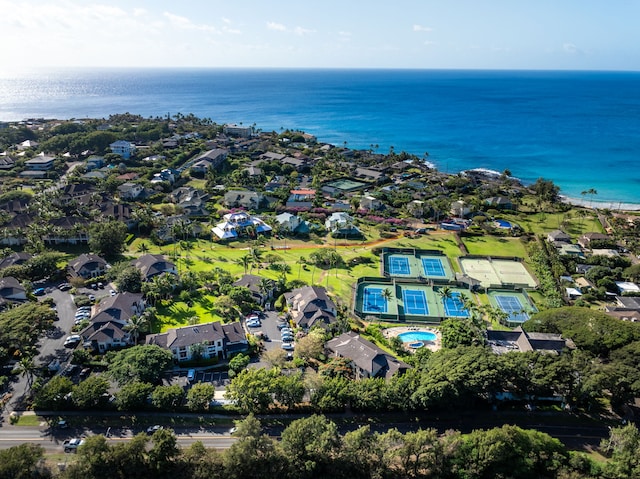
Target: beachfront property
pixel 236 225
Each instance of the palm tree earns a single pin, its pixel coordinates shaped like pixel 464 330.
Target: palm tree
pixel 445 293
pixel 245 261
pixel 27 368
pixel 386 294
pixel 143 248
pixel 135 326
pixel 266 288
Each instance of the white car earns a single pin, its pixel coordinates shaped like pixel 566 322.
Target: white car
pixel 254 324
pixel 72 445
pixel 112 292
pixel 288 346
pixel 72 341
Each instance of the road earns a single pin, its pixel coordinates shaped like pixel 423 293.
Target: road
pixel 10 436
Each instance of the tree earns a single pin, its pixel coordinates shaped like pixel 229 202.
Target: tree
pixel 107 239
pixel 245 261
pixel 311 443
pixel 252 389
pixel 22 462
pixel 623 446
pixel 144 363
pixel 167 398
pixel 458 332
pixel 200 396
pixel 136 325
pixel 52 396
pixel 133 396
pixel 238 363
pixel 310 346
pixel 91 393
pixel 129 279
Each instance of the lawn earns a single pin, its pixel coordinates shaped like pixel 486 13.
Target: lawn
pixel 494 246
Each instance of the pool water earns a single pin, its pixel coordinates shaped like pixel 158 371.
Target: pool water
pixel 503 224
pixel 411 336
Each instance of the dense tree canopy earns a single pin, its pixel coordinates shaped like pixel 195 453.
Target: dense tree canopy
pixel 146 363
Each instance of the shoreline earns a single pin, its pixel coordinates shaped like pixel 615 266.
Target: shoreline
pixel 594 205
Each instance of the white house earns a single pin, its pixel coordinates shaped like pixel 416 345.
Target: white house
pixel 130 191
pixel 235 224
pixel 338 220
pixel 123 148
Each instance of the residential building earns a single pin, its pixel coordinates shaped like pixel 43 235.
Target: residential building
pixel 586 239
pixel 301 198
pixel 14 259
pixel 191 200
pixel 292 224
pixel 460 209
pixel 67 230
pixel 40 163
pixel 123 148
pixel 248 199
pixel 151 265
pixel 255 284
pixel 239 224
pixel 7 162
pixel 207 340
pixel 130 191
pixel 310 306
pixel 523 341
pixel 238 130
pixel 210 160
pixel 88 266
pixel 558 236
pixel 370 203
pixel 340 224
pixel 11 290
pixel 367 359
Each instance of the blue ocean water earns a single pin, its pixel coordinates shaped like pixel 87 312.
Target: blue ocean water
pixel 579 129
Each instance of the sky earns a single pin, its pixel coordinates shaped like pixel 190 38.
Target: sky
pixel 446 34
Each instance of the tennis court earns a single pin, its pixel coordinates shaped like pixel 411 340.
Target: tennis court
pixel 497 272
pixel 433 267
pixel 513 307
pixel 399 265
pixel 453 306
pixel 415 302
pixel 374 301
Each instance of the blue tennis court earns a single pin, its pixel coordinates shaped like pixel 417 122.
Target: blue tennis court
pixel 433 267
pixel 415 302
pixel 373 301
pixel 399 265
pixel 453 306
pixel 513 307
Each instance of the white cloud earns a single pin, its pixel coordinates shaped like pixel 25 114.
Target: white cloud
pixel 571 49
pixel 421 28
pixel 183 23
pixel 302 31
pixel 278 27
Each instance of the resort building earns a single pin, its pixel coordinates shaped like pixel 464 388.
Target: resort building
pixel 367 359
pixel 123 148
pixel 311 306
pixel 208 340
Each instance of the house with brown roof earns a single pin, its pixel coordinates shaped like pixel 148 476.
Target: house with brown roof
pixel 108 324
pixel 310 306
pixel 210 340
pixel 586 239
pixel 253 283
pixel 151 265
pixel 367 359
pixel 88 266
pixel 67 230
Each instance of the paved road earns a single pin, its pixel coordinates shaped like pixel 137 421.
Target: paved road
pixel 10 436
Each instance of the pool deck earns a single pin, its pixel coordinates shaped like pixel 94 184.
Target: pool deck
pixel 432 345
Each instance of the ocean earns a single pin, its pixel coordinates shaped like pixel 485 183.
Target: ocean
pixel 579 129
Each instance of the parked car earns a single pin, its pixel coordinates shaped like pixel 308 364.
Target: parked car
pixel 287 339
pixel 39 291
pixel 286 331
pixel 85 372
pixel 64 286
pixel 254 323
pixel 72 341
pixel 72 445
pixel 288 346
pixel 191 375
pixel 112 292
pixel 92 298
pixel 282 325
pixel 84 308
pixel 100 285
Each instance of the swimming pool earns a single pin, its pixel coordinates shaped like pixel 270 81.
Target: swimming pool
pixel 503 224
pixel 411 336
